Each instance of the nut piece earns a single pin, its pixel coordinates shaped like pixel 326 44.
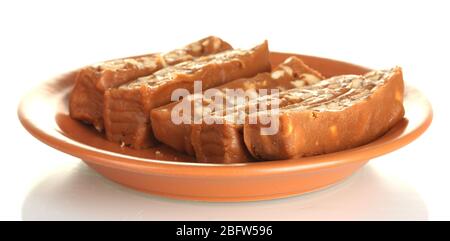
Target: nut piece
pixel 133 62
pixel 196 47
pixel 149 63
pixel 356 83
pixel 309 78
pixel 375 75
pixel 205 43
pixel 277 74
pixel 163 60
pixel 216 44
pixel 287 69
pixel 333 106
pixel 298 83
pixel 288 60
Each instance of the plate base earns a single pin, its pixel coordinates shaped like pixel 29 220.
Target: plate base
pixel 239 190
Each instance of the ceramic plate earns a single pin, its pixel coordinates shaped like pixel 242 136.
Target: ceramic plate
pixel 161 171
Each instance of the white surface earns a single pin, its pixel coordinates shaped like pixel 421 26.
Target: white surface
pixel 42 38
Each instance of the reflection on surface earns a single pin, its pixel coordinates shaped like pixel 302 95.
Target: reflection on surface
pixel 77 192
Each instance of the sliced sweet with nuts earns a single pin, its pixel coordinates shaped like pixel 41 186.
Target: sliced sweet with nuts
pixel 334 114
pixel 179 136
pixel 86 100
pixel 127 107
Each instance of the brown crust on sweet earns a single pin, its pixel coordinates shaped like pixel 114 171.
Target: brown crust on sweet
pixel 319 129
pixel 86 99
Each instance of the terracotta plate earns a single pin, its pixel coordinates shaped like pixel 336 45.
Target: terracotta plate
pixel 162 171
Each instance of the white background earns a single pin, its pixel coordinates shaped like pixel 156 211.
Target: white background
pixel 39 39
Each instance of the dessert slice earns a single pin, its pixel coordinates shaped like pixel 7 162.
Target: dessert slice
pixel 290 74
pixel 127 108
pixel 335 114
pixel 221 140
pixel 86 100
